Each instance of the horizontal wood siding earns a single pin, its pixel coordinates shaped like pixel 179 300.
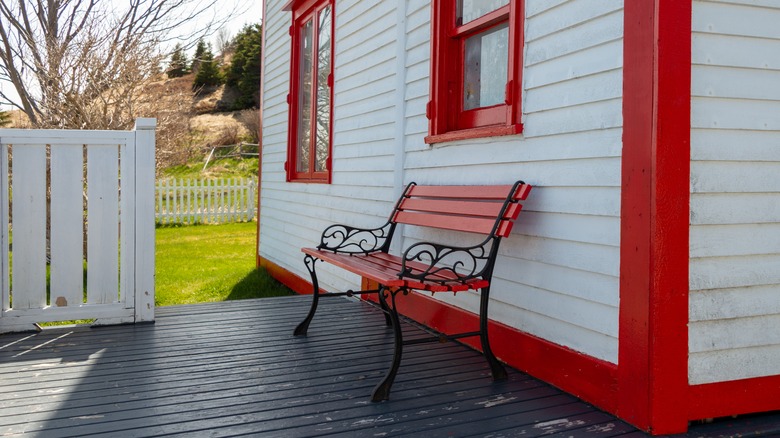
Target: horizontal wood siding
pixel 557 276
pixel 363 190
pixel 735 191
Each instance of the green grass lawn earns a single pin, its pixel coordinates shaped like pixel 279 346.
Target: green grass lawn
pixel 204 263
pixel 217 168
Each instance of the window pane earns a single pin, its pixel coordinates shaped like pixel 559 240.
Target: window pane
pixel 485 68
pixel 304 98
pixel 323 91
pixel 470 10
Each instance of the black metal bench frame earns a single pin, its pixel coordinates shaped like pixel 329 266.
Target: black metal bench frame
pixel 426 266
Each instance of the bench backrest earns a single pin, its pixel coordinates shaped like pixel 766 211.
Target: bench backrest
pixel 488 210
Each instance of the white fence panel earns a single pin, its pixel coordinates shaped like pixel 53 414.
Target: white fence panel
pixel 118 188
pixel 205 201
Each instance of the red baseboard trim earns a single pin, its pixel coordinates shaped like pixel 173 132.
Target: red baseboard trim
pixel 737 397
pixel 588 378
pixel 287 278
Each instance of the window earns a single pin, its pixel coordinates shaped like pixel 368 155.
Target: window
pixel 311 92
pixel 476 67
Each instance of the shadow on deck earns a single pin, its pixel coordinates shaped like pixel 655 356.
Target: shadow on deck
pixel 233 368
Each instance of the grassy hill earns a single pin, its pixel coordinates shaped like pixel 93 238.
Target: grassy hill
pixel 191 124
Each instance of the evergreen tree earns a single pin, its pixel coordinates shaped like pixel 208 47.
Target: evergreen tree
pixel 178 65
pixel 244 71
pixel 200 50
pixel 208 72
pixel 5 118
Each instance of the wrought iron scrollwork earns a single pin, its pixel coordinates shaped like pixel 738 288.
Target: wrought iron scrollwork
pixel 455 263
pixel 352 240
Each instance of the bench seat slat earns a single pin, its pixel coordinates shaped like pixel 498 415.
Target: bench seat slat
pixel 356 265
pixel 461 192
pixel 383 268
pixel 396 262
pixel 471 192
pixel 456 223
pixel 460 208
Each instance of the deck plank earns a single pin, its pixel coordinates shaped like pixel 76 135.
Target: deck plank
pixel 234 369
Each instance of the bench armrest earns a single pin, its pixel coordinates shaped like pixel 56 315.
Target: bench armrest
pixel 433 262
pixel 352 240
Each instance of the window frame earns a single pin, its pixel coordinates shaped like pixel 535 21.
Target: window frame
pixel 302 11
pixel 447 73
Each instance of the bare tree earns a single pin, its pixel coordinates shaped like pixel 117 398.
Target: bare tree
pixel 81 63
pixel 224 40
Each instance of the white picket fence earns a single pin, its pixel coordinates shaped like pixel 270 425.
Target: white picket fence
pixel 106 177
pixel 205 201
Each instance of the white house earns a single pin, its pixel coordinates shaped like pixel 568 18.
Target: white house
pixel 644 273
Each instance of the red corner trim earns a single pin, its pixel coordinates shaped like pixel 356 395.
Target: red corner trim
pixel 655 204
pixel 260 140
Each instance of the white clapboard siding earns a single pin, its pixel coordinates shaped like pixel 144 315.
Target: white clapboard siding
pixel 115 186
pixel 205 201
pixel 570 152
pixel 364 136
pixel 735 191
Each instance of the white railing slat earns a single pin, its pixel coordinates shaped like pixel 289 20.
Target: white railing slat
pixel 5 280
pixel 102 224
pixel 67 225
pixel 127 230
pixel 29 227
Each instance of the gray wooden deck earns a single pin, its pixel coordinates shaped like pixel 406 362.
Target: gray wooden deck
pixel 233 369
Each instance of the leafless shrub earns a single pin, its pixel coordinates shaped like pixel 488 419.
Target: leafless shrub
pixel 250 118
pixel 169 101
pixel 228 134
pixel 224 41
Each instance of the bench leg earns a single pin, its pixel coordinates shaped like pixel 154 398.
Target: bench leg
pixel 385 309
pixel 382 390
pixel 497 370
pixel 303 327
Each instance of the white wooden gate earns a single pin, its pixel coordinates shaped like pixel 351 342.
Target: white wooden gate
pixel 103 177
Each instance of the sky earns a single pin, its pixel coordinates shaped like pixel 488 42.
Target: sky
pixel 253 14
pixel 248 12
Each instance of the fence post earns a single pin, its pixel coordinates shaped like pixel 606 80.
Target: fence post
pixel 144 219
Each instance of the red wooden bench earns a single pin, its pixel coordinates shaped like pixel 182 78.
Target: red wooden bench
pixel 485 210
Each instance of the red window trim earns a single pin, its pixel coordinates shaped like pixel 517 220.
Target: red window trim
pixel 302 10
pixel 446 124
